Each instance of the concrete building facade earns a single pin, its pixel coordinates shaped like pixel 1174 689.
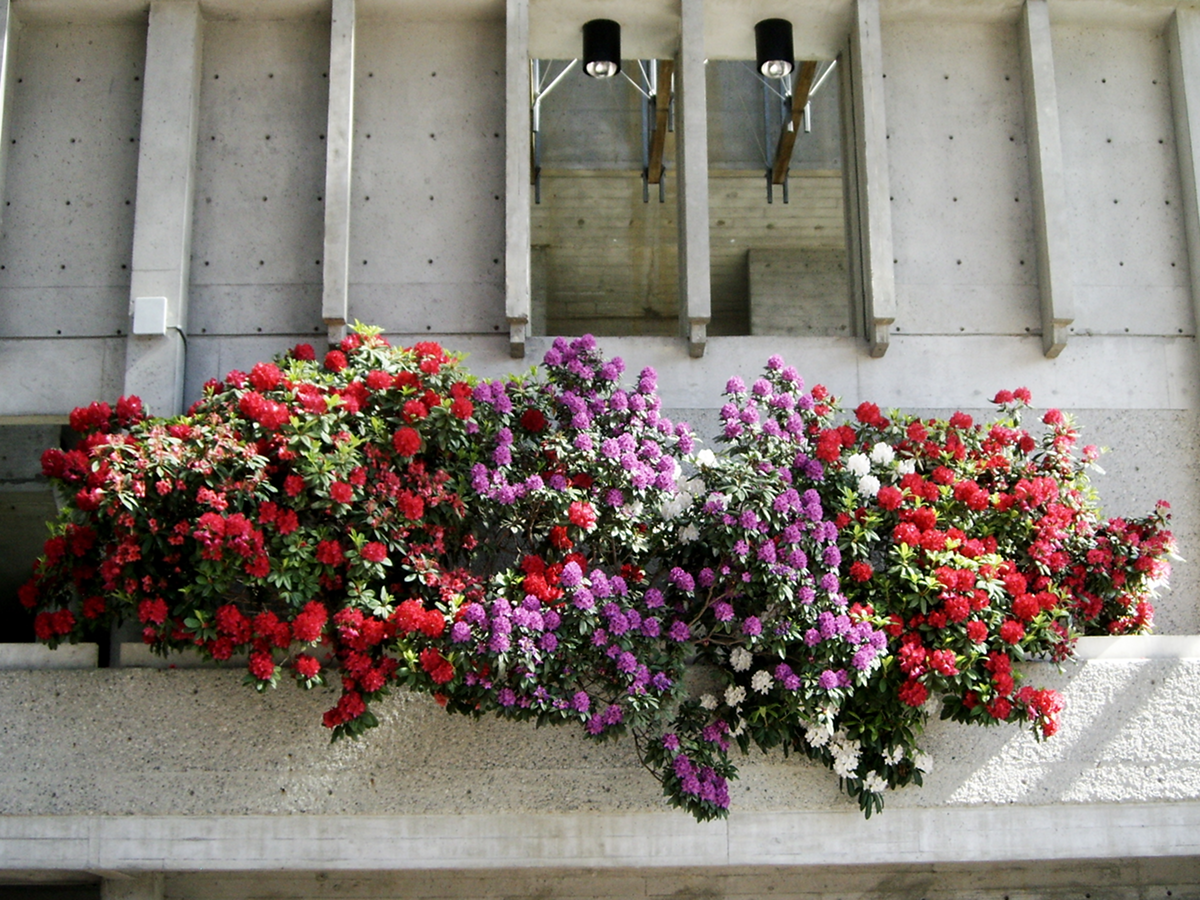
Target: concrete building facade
pixel 982 194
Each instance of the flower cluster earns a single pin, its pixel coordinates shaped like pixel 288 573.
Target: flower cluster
pixel 552 547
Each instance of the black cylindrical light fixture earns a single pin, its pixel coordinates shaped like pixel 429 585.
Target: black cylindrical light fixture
pixel 602 48
pixel 773 48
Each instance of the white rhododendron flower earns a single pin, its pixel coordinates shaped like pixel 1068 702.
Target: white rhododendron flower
pixel 868 485
pixel 875 782
pixel 706 459
pixel 708 701
pixel 633 510
pixel 893 755
pixel 674 505
pixel 906 466
pixel 859 464
pixel 739 728
pixel 816 734
pixel 762 681
pixel 740 659
pixel 689 533
pixel 882 454
pixel 734 694
pixel 923 761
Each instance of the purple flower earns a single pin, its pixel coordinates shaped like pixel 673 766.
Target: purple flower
pixel 502 456
pixel 549 642
pixel 571 576
pixel 459 632
pixel 474 614
pixel 626 662
pixel 766 552
pixel 583 442
pixel 648 380
pixel 812 637
pixel 748 519
pixel 806 594
pixel 650 627
pixel 595 725
pixel 614 715
pixel 829 582
pixel 551 619
pixel 583 599
pixel 581 702
pixel 742 549
pixel 828 680
pixel 682 580
pixel 863 657
pixel 679 631
pixel 654 598
pixel 762 388
pixel 832 556
pixel 506 697
pixel 722 611
pixel 614 498
pixel 499 642
pixel 670 742
pixel 827 624
pixel 660 681
pixel 600 584
pixel 751 626
pixel 735 385
pixel 609 448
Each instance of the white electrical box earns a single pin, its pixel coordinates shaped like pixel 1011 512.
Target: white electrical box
pixel 150 315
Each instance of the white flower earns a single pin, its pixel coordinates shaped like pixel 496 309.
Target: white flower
pixel 674 505
pixel 906 466
pixel 859 464
pixel 739 728
pixel 844 764
pixel 762 681
pixel 735 694
pixel 740 659
pixel 693 487
pixel 817 735
pixel 708 701
pixel 882 454
pixel 893 755
pixel 875 782
pixel 923 761
pixel 689 533
pixel 633 510
pixel 868 485
pixel 706 459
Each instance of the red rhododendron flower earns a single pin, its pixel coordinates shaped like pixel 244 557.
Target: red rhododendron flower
pixel 378 381
pixel 153 612
pixel 890 497
pixel 438 667
pixel 374 552
pixel 407 441
pixel 861 571
pixel 559 539
pixel 261 665
pixel 265 376
pixel 582 514
pixel 913 693
pixel 304 352
pixel 462 408
pixel 340 492
pixel 533 420
pixel 1000 708
pixel 308 625
pixel 977 631
pixel 330 553
pixel 307 666
pixel 1012 631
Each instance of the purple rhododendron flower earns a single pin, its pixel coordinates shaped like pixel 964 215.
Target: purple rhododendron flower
pixel 752 626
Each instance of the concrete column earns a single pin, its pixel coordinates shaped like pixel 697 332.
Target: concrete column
pixel 1183 42
pixel 339 153
pixel 162 229
pixel 875 279
pixel 8 42
pixel 137 887
pixel 518 284
pixel 1050 217
pixel 691 150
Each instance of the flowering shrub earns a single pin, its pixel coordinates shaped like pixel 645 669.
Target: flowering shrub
pixel 552 547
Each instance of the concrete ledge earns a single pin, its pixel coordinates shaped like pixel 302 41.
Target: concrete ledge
pixel 39 656
pixel 1141 646
pixel 299 843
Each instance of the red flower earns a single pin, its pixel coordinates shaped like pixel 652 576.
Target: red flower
pixel 93 607
pixel 307 666
pixel 1003 397
pixel 1000 708
pixel 374 552
pixel 977 631
pixel 414 409
pixel 379 381
pixel 293 485
pixel 559 539
pixel 153 611
pixel 340 492
pixel 1012 631
pixel 582 514
pixel 913 693
pixel 308 625
pixel 462 408
pixel 867 413
pixel 304 352
pixel 943 661
pixel 407 441
pixel 907 533
pixel 861 571
pixel 287 522
pixel 961 420
pixel 1023 395
pixel 438 667
pixel 890 497
pixel 1053 417
pixel 335 360
pixel 533 420
pixel 261 666
pixel 265 376
pixel 330 553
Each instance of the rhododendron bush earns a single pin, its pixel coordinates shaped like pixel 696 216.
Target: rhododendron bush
pixel 551 547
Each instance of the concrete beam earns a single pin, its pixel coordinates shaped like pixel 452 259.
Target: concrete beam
pixel 1183 42
pixel 874 281
pixel 1050 213
pixel 691 150
pixel 339 154
pixel 135 887
pixel 162 229
pixel 8 42
pixel 518 283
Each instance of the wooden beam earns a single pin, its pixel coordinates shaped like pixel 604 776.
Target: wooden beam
pixel 787 137
pixel 662 115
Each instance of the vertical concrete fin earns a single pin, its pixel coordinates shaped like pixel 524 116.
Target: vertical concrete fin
pixel 1050 214
pixel 135 887
pixel 877 278
pixel 339 154
pixel 8 47
pixel 691 149
pixel 162 229
pixel 518 286
pixel 1183 41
